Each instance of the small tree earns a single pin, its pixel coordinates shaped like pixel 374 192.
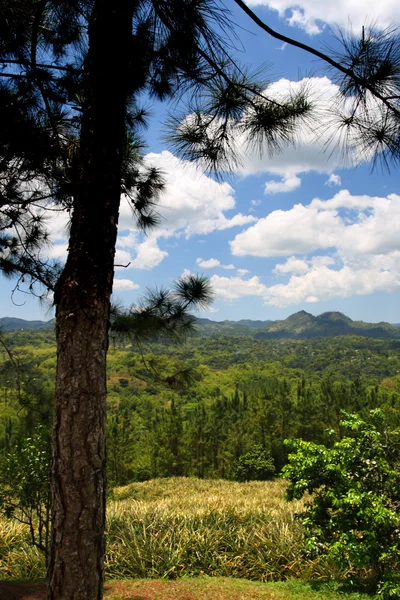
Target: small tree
pixel 255 465
pixel 24 486
pixel 353 517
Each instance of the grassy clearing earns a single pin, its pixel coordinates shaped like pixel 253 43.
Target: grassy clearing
pixel 169 528
pixel 180 526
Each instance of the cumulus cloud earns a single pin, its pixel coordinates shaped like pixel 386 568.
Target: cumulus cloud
pixel 232 288
pixel 288 184
pixel 282 233
pixel 122 259
pixel 322 283
pixel 123 285
pixel 309 151
pixel 355 225
pixel 292 265
pixel 59 250
pixel 310 15
pixel 333 179
pixel 148 254
pixel 359 235
pixel 192 204
pixel 212 263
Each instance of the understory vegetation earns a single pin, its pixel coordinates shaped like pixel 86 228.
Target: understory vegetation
pixel 166 528
pixel 196 448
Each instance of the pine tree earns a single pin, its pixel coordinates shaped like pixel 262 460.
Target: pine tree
pixel 71 75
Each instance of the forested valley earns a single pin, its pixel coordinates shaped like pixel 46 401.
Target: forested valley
pixel 196 408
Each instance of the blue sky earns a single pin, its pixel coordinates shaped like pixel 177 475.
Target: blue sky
pixel 300 231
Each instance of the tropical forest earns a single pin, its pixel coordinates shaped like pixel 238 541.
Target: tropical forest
pixel 215 447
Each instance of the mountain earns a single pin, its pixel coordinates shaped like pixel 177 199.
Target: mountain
pixel 300 325
pixel 12 323
pixel 206 327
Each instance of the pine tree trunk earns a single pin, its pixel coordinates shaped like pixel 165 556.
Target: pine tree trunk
pixel 82 297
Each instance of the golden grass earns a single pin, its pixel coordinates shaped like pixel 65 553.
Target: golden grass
pixel 184 526
pixel 167 528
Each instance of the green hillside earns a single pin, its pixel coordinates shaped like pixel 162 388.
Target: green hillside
pixel 301 325
pixel 13 323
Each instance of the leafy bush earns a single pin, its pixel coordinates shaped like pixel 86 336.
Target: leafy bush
pixel 353 517
pixel 256 465
pixel 24 486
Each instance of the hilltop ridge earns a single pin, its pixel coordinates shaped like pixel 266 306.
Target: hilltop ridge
pixel 300 325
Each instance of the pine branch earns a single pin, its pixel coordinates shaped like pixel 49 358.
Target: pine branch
pixel 66 68
pixel 349 72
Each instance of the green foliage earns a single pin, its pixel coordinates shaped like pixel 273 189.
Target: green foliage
pixel 353 517
pixel 24 486
pixel 162 314
pixel 255 465
pixel 195 408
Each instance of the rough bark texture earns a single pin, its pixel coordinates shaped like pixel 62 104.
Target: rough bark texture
pixel 82 299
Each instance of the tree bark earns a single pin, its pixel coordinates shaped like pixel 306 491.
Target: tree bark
pixel 82 298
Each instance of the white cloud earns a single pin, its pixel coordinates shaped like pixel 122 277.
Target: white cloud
pixel 212 263
pixel 322 283
pixel 148 255
pixel 359 232
pixel 319 284
pixel 288 184
pixel 242 271
pixel 122 258
pixel 299 18
pixel 282 233
pixel 292 265
pixel 192 204
pixel 211 309
pixel 123 285
pixel 59 251
pixel 256 202
pixel 333 179
pixel 355 225
pixel 232 288
pixel 300 266
pixel 207 264
pixel 309 153
pixel 311 14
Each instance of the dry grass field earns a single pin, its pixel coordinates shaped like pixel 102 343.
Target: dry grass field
pixel 187 539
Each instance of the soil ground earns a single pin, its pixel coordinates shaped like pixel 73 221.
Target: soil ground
pixel 198 588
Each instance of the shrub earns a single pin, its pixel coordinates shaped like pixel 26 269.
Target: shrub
pixel 353 517
pixel 256 465
pixel 24 486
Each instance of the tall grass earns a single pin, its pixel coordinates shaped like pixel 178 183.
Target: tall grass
pixel 183 526
pixel 18 558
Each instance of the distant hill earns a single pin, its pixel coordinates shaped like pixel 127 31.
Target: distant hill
pixel 301 325
pixel 12 323
pixel 243 327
